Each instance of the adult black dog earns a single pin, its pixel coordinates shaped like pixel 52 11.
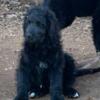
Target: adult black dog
pixel 42 52
pixel 67 10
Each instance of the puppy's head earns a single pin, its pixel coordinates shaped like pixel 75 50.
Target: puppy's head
pixel 38 23
pixel 35 25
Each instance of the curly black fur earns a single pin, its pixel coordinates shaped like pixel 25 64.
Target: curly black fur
pixel 70 73
pixel 42 52
pixel 68 80
pixel 67 10
pixel 42 59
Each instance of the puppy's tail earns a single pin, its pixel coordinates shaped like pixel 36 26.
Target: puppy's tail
pixel 82 72
pixel 71 67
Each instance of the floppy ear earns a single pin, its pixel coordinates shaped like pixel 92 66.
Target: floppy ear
pixel 52 26
pixel 52 22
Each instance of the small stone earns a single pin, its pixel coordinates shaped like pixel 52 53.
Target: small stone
pixel 11 16
pixel 6 69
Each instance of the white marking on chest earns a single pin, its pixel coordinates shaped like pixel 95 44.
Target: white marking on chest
pixel 43 65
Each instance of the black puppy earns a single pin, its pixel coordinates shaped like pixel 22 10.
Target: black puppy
pixel 42 52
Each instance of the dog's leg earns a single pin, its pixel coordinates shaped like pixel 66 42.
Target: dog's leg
pixel 56 72
pixel 96 28
pixel 23 78
pixel 22 85
pixel 56 84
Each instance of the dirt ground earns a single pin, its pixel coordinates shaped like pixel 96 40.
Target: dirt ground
pixel 76 40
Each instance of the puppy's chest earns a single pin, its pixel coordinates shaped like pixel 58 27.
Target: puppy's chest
pixel 43 60
pixel 43 65
pixel 42 56
pixel 43 53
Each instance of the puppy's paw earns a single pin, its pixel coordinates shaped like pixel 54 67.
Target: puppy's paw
pixel 32 95
pixel 71 93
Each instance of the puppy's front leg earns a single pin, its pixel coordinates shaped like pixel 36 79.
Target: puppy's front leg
pixel 22 85
pixel 23 78
pixel 56 84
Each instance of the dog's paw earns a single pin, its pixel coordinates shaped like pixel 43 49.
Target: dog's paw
pixel 71 93
pixel 37 94
pixel 32 95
